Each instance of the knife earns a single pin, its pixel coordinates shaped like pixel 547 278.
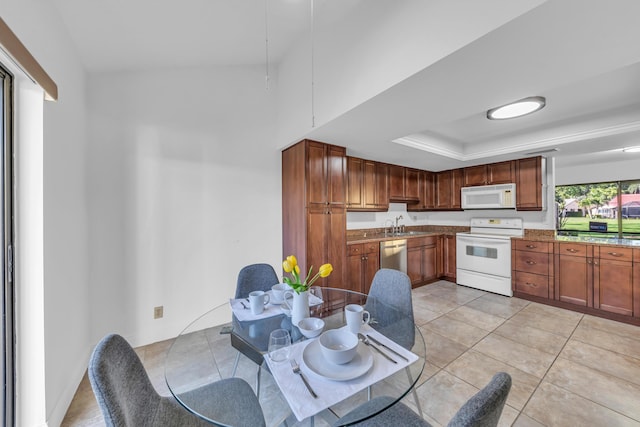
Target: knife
pixel 387 347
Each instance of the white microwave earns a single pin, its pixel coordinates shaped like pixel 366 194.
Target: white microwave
pixel 502 196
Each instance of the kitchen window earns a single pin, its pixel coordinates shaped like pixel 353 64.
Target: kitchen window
pixel 603 209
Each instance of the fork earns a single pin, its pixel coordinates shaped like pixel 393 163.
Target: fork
pixel 296 370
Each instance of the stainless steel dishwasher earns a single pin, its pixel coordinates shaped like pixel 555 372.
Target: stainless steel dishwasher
pixel 393 254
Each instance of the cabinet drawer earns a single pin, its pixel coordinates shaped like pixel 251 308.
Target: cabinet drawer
pixel 356 249
pixel 532 262
pixel 572 249
pixel 532 246
pixel 532 284
pixel 417 242
pixel 371 247
pixel 619 254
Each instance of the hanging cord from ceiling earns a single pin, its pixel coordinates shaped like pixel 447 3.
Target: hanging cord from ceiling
pixel 266 44
pixel 313 117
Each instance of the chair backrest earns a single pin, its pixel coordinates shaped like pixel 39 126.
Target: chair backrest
pixel 390 304
pixel 255 277
pixel 121 384
pixel 485 407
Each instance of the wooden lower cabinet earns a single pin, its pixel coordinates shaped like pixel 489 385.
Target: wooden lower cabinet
pixel 363 261
pixel 613 280
pixel 422 259
pixel 448 251
pixel 574 282
pixel 532 264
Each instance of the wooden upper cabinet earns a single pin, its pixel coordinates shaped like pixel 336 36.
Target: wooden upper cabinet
pixel 493 173
pixel 448 185
pixel 355 196
pixel 326 171
pixel 501 173
pixel 367 185
pixel 427 192
pixel 529 184
pixel 403 184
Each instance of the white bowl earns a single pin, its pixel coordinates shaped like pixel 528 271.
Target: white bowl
pixel 338 346
pixel 311 327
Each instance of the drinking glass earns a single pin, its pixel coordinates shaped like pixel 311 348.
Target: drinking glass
pixel 279 344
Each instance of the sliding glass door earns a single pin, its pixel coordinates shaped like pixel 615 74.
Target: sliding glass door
pixel 6 250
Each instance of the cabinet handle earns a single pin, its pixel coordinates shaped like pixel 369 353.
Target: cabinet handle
pixel 595 262
pixel 531 246
pixel 531 284
pixel 573 251
pixel 530 262
pixel 589 261
pixel 615 254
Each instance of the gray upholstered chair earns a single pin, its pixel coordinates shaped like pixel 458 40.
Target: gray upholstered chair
pixel 128 399
pixel 254 277
pixel 482 410
pixel 391 307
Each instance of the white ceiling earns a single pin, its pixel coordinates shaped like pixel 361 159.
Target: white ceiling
pixel 585 60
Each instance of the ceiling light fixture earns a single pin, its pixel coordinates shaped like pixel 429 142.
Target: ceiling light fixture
pixel 631 150
pixel 517 109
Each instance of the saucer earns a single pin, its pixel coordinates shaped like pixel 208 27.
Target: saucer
pixel 317 364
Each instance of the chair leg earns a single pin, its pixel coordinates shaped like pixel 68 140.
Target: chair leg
pixel 415 393
pixel 235 365
pixel 369 393
pixel 258 381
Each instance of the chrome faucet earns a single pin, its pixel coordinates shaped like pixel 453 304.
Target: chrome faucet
pixel 396 229
pixel 385 225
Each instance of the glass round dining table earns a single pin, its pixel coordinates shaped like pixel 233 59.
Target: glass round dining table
pixel 389 364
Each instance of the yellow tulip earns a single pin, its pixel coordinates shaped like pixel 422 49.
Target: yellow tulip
pixel 292 260
pixel 325 270
pixel 286 265
pixel 297 269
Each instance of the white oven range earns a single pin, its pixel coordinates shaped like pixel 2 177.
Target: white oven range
pixel 483 255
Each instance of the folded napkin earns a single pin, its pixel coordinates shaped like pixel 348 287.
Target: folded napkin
pixel 330 392
pixel 244 314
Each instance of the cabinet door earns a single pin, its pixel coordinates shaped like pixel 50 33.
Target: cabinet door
pixel 382 186
pixel 336 173
pixel 613 286
pixel 475 175
pixel 529 184
pixel 430 263
pixel 456 187
pixel 335 238
pixel 396 182
pixel 354 271
pixel 316 174
pixel 449 256
pixel 317 230
pixel 443 190
pixel 371 267
pixel 411 185
pixel 501 173
pixel 355 179
pixel 573 274
pixel 636 283
pixel 414 265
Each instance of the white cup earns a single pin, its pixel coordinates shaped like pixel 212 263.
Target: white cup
pixel 257 301
pixel 278 292
pixel 356 316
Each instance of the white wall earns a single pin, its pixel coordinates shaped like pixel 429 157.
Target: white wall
pixel 376 46
pixel 184 179
pixel 65 291
pixel 599 172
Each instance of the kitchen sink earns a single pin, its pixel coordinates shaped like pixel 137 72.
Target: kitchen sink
pixel 406 233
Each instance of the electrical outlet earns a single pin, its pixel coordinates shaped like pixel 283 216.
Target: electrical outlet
pixel 158 312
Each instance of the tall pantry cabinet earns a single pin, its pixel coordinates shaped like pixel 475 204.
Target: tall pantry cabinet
pixel 314 215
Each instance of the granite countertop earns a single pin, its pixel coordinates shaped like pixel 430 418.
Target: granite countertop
pixel 380 237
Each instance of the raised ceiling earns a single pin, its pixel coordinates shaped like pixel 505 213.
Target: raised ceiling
pixel 585 60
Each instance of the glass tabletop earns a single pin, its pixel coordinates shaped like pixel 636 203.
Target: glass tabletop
pixel 206 351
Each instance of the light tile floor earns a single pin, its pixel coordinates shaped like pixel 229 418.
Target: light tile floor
pixel 568 369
